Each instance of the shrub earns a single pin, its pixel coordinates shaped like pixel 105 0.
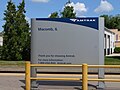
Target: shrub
pixel 0 51
pixel 117 50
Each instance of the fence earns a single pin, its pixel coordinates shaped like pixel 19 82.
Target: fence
pixel 84 79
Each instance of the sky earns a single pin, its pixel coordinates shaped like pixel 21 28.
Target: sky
pixel 83 8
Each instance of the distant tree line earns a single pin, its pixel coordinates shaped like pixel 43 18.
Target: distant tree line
pixel 112 22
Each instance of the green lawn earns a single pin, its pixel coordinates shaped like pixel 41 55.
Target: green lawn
pixel 13 63
pixel 112 60
pixel 108 61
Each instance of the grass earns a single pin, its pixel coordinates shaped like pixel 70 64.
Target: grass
pixel 12 63
pixel 112 60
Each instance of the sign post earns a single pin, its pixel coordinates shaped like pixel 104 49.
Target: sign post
pixel 101 84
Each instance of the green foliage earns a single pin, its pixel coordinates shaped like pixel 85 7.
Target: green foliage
pixel 9 31
pixel 68 12
pixel 0 51
pixel 117 50
pixel 112 22
pixel 54 15
pixel 22 31
pixel 16 32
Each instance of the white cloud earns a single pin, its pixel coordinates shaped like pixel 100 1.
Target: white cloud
pixel 44 1
pixel 104 6
pixel 79 8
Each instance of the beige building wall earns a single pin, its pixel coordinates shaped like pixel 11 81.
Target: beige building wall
pixel 117 37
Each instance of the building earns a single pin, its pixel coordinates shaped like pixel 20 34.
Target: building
pixel 117 37
pixel 1 39
pixel 109 41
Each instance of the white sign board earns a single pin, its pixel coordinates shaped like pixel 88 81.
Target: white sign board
pixel 67 41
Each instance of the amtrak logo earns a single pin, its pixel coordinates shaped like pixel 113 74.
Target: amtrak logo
pixel 73 20
pixel 83 20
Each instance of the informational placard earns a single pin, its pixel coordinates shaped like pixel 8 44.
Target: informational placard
pixel 67 41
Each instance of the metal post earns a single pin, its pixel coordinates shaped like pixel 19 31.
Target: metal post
pixel 34 74
pixel 84 76
pixel 101 84
pixel 27 75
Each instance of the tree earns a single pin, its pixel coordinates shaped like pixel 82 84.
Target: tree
pixel 23 32
pixel 68 11
pixel 9 39
pixel 107 20
pixel 117 21
pixel 0 51
pixel 54 15
pixel 112 22
pixel 16 32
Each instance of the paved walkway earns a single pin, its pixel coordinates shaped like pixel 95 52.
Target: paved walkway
pixel 114 54
pixel 17 82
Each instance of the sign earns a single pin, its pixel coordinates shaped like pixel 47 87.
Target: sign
pixel 67 41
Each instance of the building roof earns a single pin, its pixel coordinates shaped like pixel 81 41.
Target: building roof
pixel 108 30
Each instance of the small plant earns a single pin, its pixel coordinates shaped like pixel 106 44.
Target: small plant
pixel 117 50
